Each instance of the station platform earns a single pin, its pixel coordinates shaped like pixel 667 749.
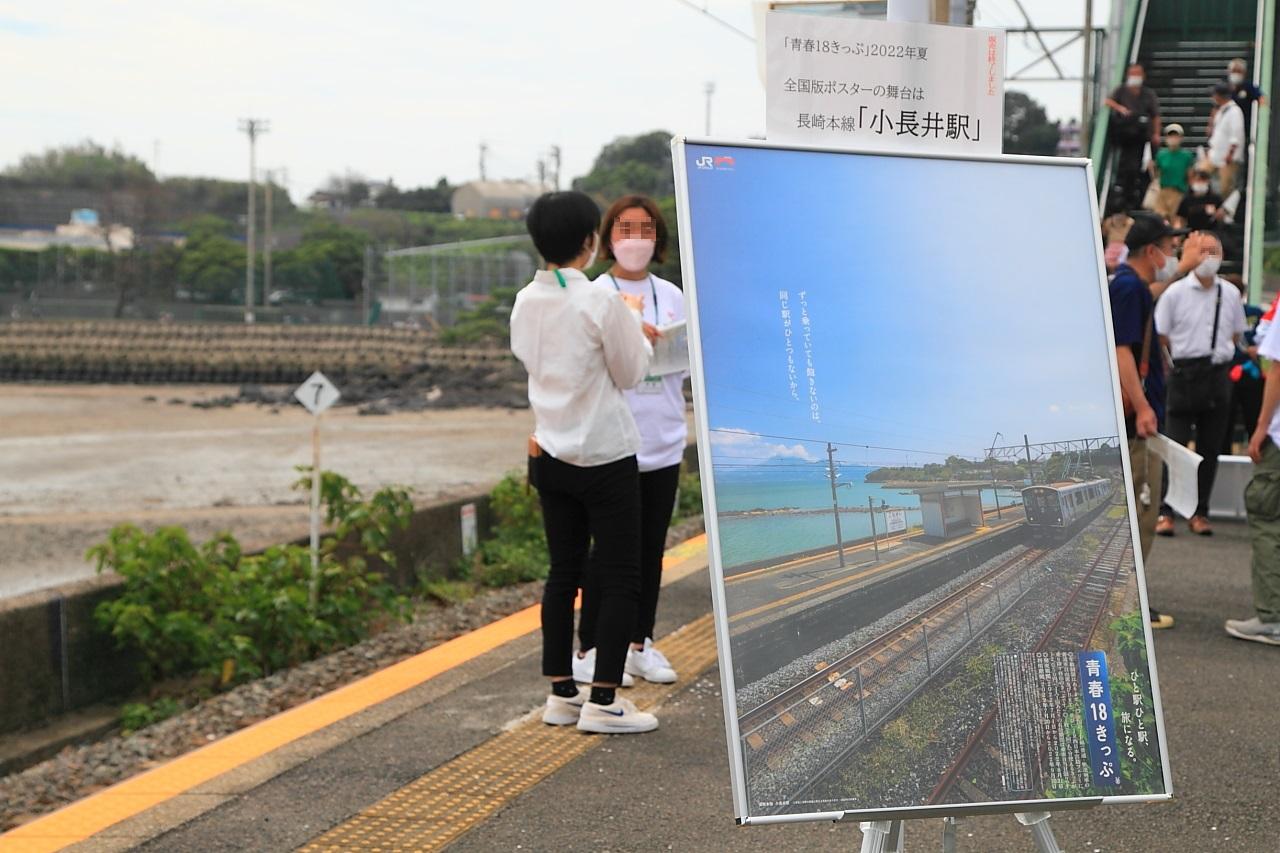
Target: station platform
pixel 446 750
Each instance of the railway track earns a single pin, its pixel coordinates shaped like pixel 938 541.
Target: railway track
pixel 880 651
pixel 1071 630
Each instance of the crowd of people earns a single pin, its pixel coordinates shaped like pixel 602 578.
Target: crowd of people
pixel 606 451
pixel 1190 365
pixel 1196 189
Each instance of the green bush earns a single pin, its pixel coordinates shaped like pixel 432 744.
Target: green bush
pixel 688 496
pixel 517 550
pixel 214 610
pixel 135 716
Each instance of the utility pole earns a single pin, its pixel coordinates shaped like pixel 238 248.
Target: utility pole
pixel 1031 474
pixel 710 90
pixel 484 149
pixel 251 126
pixel 835 504
pixel 875 541
pixel 542 175
pixel 995 489
pixel 555 175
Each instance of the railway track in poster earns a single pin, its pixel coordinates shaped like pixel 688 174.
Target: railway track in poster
pixel 1070 631
pixel 869 686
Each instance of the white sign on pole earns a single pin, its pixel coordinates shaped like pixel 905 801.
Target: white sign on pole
pixel 880 86
pixel 469 536
pixel 317 393
pixel 895 520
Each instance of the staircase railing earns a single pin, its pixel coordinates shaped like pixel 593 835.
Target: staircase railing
pixel 1256 211
pixel 1099 152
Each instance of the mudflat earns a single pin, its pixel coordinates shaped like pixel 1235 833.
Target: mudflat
pixel 75 460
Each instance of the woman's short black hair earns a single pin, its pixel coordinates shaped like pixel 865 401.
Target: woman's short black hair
pixel 561 223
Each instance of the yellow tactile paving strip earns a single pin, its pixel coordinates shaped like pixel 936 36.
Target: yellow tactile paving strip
pixel 436 808
pixel 85 818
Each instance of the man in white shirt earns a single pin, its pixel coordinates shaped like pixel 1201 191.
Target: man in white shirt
pixel 1200 321
pixel 1227 141
pixel 1262 502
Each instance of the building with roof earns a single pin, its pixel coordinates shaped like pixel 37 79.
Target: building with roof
pixel 494 199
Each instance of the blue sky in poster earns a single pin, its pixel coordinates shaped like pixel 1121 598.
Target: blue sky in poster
pixel 947 301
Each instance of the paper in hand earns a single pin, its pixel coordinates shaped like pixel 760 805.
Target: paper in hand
pixel 671 351
pixel 1183 466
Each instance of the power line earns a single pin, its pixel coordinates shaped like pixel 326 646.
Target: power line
pixel 721 21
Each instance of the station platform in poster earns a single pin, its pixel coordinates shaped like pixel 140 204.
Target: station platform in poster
pixel 454 762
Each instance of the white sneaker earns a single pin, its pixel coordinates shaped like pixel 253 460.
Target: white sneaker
pixel 584 670
pixel 1255 629
pixel 620 718
pixel 562 710
pixel 650 664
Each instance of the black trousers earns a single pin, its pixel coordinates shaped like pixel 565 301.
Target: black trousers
pixel 1130 183
pixel 600 503
pixel 657 501
pixel 1246 405
pixel 1207 426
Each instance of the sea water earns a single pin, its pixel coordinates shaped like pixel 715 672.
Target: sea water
pixel 746 539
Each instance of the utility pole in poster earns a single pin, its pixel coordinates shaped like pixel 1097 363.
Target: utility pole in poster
pixel 835 504
pixel 316 394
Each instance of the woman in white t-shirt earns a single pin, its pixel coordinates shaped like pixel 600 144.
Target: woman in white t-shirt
pixel 632 235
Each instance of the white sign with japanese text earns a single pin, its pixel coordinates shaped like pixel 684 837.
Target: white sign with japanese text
pixel 881 86
pixel 895 520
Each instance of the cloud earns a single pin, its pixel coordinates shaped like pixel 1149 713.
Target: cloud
pixel 742 443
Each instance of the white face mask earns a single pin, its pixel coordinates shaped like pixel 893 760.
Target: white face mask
pixel 595 249
pixel 633 255
pixel 1208 268
pixel 1169 270
pixel 1199 187
pixel 1133 81
pixel 1236 78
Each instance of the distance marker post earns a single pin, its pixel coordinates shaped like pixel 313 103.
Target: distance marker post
pixel 316 395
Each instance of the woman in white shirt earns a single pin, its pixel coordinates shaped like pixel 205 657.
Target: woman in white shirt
pixel 633 234
pixel 581 346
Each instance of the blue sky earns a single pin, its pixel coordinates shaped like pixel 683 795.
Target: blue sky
pixel 948 301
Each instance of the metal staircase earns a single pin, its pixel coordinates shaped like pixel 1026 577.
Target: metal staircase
pixel 1185 46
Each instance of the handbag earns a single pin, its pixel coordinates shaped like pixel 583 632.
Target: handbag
pixel 1196 383
pixel 1144 366
pixel 1151 199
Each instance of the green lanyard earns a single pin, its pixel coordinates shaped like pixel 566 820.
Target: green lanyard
pixel 560 278
pixel 652 289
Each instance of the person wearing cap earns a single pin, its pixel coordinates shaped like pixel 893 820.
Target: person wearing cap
pixel 1226 140
pixel 1244 92
pixel 1171 167
pixel 1135 122
pixel 1150 266
pixel 1201 321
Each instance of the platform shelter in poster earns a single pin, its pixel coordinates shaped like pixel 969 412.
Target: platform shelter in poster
pixel 911 616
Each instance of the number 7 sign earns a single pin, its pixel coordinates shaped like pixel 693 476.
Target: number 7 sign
pixel 317 393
